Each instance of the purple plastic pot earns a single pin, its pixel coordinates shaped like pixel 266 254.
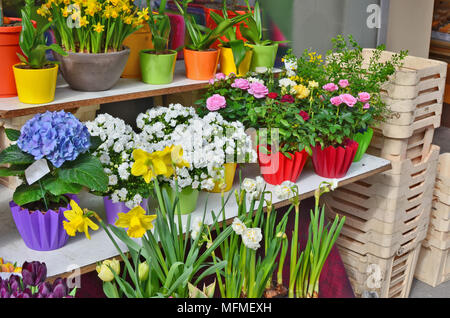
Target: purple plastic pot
pixel 112 209
pixel 41 231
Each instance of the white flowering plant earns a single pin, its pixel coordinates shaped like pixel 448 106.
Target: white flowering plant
pixel 115 153
pixel 208 143
pixel 246 273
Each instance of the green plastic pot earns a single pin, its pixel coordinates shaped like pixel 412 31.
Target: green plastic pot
pixel 157 69
pixel 363 140
pixel 263 56
pixel 188 198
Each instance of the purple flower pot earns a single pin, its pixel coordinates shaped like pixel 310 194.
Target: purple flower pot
pixel 41 231
pixel 112 209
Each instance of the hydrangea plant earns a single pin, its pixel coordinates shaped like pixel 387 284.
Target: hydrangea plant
pixel 65 143
pixel 115 154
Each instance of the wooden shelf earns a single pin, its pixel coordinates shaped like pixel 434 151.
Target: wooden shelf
pixel 125 89
pixel 80 253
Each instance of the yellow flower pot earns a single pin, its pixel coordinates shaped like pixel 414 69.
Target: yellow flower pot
pixel 228 66
pixel 36 86
pixel 137 41
pixel 230 171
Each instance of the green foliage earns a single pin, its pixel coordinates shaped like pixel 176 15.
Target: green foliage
pixel 201 38
pixel 160 27
pixel 32 41
pixel 71 177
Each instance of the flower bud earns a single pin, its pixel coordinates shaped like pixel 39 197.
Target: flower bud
pixel 104 271
pixel 143 271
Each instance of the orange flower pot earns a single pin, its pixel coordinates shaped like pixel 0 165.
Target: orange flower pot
pixel 201 65
pixel 137 41
pixel 9 47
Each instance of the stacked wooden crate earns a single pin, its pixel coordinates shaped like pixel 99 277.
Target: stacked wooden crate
pixel 85 113
pixel 433 266
pixel 387 215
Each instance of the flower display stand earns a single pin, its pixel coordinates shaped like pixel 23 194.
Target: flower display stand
pixel 433 266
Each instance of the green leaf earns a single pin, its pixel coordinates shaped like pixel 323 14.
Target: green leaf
pixel 13 155
pixel 8 172
pixel 96 142
pixel 110 290
pixel 12 134
pixel 87 171
pixel 59 187
pixel 27 193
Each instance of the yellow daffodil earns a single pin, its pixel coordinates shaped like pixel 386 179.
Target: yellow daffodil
pixel 99 28
pixel 302 91
pixel 143 15
pixel 83 21
pixel 152 165
pixel 177 157
pixel 104 269
pixel 78 221
pixel 136 221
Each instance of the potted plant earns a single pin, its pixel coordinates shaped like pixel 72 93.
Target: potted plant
pixel 52 156
pixel 366 78
pixel 200 60
pixel 93 35
pixel 125 191
pixel 264 51
pixel 35 76
pixel 158 64
pixel 235 56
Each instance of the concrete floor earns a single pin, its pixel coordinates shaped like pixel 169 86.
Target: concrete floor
pixel 418 288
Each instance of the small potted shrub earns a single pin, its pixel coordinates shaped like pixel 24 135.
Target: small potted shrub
pixel 264 51
pixel 52 156
pixel 35 76
pixel 158 64
pixel 125 191
pixel 200 60
pixel 93 35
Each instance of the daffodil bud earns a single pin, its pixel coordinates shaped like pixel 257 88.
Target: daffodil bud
pixel 104 271
pixel 143 271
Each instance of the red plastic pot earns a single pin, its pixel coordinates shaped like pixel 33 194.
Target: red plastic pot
pixel 333 162
pixel 276 167
pixel 211 24
pixel 9 47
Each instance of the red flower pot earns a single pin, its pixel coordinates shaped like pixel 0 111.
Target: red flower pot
pixel 334 162
pixel 276 167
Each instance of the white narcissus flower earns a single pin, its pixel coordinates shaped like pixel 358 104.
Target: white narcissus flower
pixel 194 235
pixel 252 237
pixel 334 184
pixel 238 226
pixel 249 185
pixel 284 191
pixel 197 224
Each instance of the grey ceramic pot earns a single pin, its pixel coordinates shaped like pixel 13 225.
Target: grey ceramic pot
pixel 92 72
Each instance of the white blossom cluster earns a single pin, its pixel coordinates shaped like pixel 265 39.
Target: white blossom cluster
pixel 291 66
pixel 251 237
pixel 115 154
pixel 253 187
pixel 287 86
pixel 208 143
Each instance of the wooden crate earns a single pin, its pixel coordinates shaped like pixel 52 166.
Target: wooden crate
pixel 437 238
pixel 396 272
pixel 416 146
pixel 433 265
pixel 409 235
pixel 430 108
pixel 440 214
pixel 86 113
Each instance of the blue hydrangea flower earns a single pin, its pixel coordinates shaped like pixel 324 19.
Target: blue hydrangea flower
pixel 57 136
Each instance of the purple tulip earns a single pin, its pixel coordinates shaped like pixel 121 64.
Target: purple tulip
pixel 60 289
pixel 4 292
pixel 26 293
pixel 14 283
pixel 33 273
pixel 44 290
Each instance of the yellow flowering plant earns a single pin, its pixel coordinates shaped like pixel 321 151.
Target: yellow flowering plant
pixel 93 26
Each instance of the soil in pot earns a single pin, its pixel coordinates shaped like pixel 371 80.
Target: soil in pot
pixel 276 291
pixel 40 205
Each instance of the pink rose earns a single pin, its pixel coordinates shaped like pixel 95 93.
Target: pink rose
pixel 349 100
pixel 364 97
pixel 216 102
pixel 241 83
pixel 343 83
pixel 331 87
pixel 336 101
pixel 220 76
pixel 258 90
pixel 366 106
pixel 212 81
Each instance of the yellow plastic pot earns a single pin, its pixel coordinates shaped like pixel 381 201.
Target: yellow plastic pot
pixel 230 171
pixel 227 64
pixel 36 86
pixel 137 41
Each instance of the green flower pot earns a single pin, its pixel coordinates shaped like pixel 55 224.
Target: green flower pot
pixel 188 198
pixel 363 140
pixel 157 69
pixel 263 56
